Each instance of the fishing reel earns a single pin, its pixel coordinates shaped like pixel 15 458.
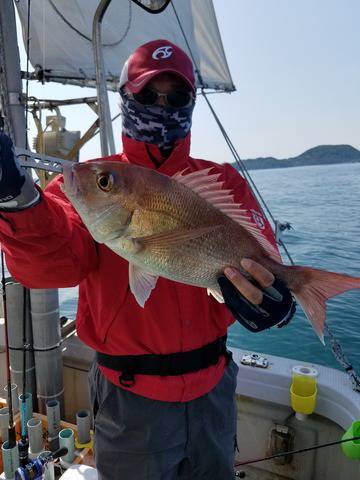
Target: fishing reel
pixel 34 470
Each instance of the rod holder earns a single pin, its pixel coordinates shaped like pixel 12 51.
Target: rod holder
pixel 303 390
pixel 10 460
pixel 352 448
pixel 14 397
pixel 36 444
pixel 27 412
pixel 47 346
pixel 66 439
pixel 83 427
pixel 4 423
pixel 53 423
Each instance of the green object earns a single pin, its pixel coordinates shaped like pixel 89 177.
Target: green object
pixel 352 448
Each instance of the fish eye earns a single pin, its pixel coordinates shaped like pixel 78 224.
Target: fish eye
pixel 105 181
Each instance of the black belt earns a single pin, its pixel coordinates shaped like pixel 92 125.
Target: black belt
pixel 164 364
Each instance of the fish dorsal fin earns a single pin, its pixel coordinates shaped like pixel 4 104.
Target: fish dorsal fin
pixel 208 187
pixel 141 283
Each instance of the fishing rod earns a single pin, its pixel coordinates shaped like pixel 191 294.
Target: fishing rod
pixel 11 427
pixel 23 444
pixel 293 452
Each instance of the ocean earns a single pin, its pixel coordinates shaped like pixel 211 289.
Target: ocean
pixel 322 203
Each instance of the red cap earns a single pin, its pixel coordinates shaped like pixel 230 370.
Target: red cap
pixel 153 58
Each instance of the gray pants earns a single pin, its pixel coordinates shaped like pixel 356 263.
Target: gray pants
pixel 137 438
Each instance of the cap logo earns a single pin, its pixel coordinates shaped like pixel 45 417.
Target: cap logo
pixel 162 52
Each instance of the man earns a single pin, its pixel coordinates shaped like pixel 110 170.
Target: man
pixel 163 385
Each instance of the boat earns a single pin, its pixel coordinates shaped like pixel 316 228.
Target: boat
pixel 285 430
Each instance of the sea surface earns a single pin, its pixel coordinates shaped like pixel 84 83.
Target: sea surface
pixel 322 203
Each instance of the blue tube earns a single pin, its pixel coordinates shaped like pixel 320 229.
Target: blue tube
pixel 26 411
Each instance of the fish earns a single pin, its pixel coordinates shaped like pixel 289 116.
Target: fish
pixel 186 228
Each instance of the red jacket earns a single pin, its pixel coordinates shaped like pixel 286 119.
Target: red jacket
pixel 48 246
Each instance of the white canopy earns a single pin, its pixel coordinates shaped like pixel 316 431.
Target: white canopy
pixel 61 32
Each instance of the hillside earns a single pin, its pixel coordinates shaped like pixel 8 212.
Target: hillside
pixel 320 155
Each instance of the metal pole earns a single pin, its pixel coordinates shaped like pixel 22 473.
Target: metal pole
pixel 43 103
pixel 10 75
pixel 106 132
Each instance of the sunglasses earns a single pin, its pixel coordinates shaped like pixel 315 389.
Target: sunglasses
pixel 175 98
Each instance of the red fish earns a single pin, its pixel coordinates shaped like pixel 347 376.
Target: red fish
pixel 186 228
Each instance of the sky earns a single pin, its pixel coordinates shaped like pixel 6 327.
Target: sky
pixel 296 68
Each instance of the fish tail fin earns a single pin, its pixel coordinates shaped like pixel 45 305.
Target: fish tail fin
pixel 314 287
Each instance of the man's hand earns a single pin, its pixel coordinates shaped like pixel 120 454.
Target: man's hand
pixel 17 190
pixel 259 305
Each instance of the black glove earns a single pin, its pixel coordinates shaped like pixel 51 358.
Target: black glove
pixel 17 190
pixel 277 307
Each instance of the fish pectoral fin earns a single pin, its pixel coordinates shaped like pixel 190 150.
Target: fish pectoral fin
pixel 174 237
pixel 217 295
pixel 141 283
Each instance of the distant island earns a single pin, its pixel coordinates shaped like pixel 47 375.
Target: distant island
pixel 321 155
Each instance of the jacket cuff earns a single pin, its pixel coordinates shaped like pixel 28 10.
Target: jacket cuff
pixel 36 218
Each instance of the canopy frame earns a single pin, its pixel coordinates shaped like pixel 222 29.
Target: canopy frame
pixel 106 131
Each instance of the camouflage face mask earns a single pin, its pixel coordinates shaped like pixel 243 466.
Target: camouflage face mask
pixel 155 124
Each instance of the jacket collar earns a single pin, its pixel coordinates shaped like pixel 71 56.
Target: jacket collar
pixel 141 153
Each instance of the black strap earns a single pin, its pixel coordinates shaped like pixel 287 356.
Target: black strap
pixel 164 364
